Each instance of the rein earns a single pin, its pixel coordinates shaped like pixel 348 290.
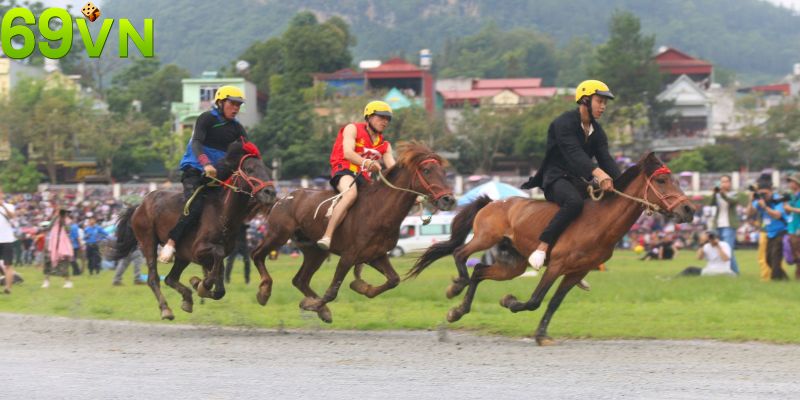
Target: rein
pixel 256 185
pixel 650 208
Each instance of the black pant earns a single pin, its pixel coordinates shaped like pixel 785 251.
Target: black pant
pixel 93 256
pixel 566 195
pixel 76 268
pixel 191 180
pixel 240 249
pixel 775 257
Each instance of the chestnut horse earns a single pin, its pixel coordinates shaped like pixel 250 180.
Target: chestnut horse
pixel 514 226
pixel 370 229
pixel 214 236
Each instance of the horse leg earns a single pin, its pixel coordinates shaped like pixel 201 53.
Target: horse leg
pixel 333 290
pixel 481 241
pixel 549 277
pixel 569 281
pixel 173 281
pixel 153 279
pixel 384 266
pixel 274 239
pixel 496 272
pixel 217 274
pixel 313 257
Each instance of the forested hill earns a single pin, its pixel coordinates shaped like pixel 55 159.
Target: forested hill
pixel 751 37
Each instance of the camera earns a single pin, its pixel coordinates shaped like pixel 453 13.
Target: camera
pixel 712 236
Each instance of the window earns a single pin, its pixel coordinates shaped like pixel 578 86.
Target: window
pixel 207 93
pixel 407 231
pixel 434 229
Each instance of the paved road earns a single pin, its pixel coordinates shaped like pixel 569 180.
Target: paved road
pixel 50 358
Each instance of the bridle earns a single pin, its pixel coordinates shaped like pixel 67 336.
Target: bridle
pixel 256 185
pixel 650 207
pixel 433 194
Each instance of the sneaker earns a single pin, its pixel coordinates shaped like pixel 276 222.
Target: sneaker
pixel 324 243
pixel 167 254
pixel 45 284
pixel 67 285
pixel 116 284
pixel 536 259
pixel 583 284
pixel 139 282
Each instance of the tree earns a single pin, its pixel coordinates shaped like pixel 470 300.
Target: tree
pixel 531 140
pixel 574 60
pixel 47 114
pixel 153 85
pixel 690 160
pixel 120 138
pixel 18 175
pixel 625 61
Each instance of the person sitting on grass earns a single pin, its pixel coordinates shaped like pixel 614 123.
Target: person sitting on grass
pixel 717 254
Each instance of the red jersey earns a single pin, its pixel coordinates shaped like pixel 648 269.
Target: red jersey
pixel 365 147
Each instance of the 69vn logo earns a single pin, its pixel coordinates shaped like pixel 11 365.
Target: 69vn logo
pixel 18 40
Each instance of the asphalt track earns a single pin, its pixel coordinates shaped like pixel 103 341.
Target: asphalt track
pixel 60 358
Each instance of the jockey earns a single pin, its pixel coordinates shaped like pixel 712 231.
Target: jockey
pixel 573 139
pixel 213 132
pixel 358 149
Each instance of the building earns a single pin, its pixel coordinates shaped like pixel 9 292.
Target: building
pixel 413 82
pixel 454 94
pixel 198 97
pixel 673 64
pixel 11 72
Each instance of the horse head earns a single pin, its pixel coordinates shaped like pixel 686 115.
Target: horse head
pixel 429 176
pixel 663 190
pixel 243 169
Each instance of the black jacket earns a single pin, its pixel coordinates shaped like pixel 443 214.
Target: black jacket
pixel 569 153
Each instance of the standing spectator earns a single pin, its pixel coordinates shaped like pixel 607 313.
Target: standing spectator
pixel 240 249
pixel 769 208
pixel 137 259
pixel 59 251
pixel 93 235
pixel 725 220
pixel 76 240
pixel 7 240
pixel 794 224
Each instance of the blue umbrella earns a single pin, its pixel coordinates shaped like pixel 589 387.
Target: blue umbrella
pixel 495 190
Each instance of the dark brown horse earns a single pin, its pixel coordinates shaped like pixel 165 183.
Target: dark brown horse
pixel 514 226
pixel 213 237
pixel 370 229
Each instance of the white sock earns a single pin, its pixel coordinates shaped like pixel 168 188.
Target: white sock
pixel 536 259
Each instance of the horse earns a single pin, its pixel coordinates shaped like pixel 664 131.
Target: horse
pixel 247 185
pixel 513 226
pixel 368 232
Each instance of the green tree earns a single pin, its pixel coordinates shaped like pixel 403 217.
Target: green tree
pixel 721 157
pixel 153 85
pixel 574 60
pixel 691 160
pixel 118 140
pixel 625 61
pixel 531 139
pixel 18 175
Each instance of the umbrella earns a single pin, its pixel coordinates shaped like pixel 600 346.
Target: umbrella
pixel 495 190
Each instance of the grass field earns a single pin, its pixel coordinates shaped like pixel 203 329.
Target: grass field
pixel 632 299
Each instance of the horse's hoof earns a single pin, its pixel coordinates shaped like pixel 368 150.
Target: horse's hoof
pixel 201 289
pixel 508 301
pixel 359 286
pixel 455 288
pixel 454 315
pixel 310 304
pixel 167 314
pixel 217 294
pixel 262 298
pixel 324 313
pixel 187 306
pixel 545 341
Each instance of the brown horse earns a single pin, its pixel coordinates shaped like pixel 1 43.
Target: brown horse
pixel 514 226
pixel 214 235
pixel 369 231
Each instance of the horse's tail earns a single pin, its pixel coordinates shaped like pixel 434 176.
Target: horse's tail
pixel 459 230
pixel 126 240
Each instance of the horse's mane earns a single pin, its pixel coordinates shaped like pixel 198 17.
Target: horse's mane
pixel 649 163
pixel 231 161
pixel 410 155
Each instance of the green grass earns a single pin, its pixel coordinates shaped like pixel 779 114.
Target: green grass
pixel 632 299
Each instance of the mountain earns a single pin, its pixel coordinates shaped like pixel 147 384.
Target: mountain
pixel 752 37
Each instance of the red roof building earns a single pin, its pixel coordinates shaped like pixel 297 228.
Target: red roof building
pixel 526 90
pixel 674 63
pixel 407 77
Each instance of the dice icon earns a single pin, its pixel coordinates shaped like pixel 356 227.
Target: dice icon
pixel 91 11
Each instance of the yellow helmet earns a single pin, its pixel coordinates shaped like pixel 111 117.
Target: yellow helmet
pixel 379 108
pixel 591 87
pixel 231 93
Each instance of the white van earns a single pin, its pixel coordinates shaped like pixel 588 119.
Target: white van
pixel 417 237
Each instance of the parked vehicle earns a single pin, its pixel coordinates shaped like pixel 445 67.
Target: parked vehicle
pixel 414 236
